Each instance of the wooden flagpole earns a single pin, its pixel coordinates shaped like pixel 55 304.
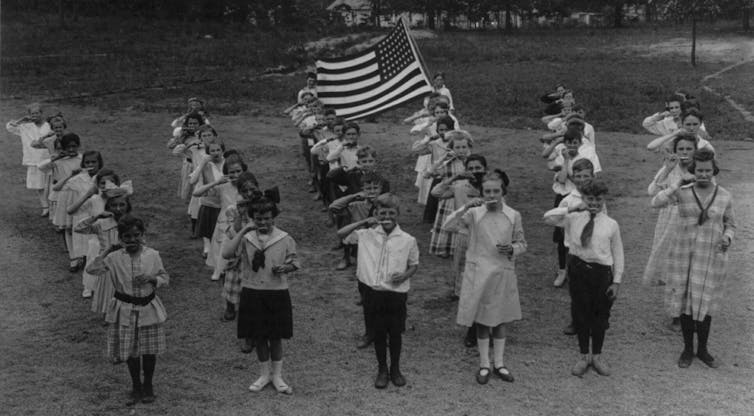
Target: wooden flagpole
pixel 415 47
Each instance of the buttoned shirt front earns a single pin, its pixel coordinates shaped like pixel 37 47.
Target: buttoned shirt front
pixel 381 255
pixel 605 246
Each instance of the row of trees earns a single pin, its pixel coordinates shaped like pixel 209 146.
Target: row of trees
pixel 439 12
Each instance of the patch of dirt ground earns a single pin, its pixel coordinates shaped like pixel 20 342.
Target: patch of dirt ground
pixel 52 346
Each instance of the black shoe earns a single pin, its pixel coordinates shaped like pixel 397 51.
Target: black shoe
pixel 134 396
pixel 247 346
pixel 229 315
pixel 382 379
pixel 365 341
pixel 685 360
pixel 148 395
pixel 469 342
pixel 504 374
pixel 397 378
pixel 706 358
pixel 569 330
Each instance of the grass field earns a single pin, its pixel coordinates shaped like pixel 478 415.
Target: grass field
pixel 52 345
pixel 620 76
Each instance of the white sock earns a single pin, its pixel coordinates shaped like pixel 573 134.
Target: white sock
pixel 483 345
pixel 277 378
pixel 264 376
pixel 264 369
pixel 206 244
pixel 498 347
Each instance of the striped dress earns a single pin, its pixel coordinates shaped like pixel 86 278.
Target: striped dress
pixel 696 263
pixel 106 230
pixel 667 219
pixel 442 242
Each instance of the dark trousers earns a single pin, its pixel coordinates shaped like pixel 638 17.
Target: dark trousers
pixel 558 237
pixel 386 312
pixel 590 305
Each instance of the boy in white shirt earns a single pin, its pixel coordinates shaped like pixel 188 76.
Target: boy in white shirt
pixel 595 269
pixel 387 258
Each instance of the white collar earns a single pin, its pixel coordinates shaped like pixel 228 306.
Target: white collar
pixel 275 235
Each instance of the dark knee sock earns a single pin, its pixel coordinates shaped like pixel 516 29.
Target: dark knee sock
pixel 562 252
pixel 598 339
pixel 230 306
pixel 380 348
pixel 687 328
pixel 150 361
pixel 193 225
pixel 134 369
pixel 471 332
pixel 702 333
pixel 583 337
pixel 396 342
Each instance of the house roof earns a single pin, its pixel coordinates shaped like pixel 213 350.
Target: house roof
pixel 351 4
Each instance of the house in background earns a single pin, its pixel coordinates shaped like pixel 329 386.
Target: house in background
pixel 353 12
pixel 359 12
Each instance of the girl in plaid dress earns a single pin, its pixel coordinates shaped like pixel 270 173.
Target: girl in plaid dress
pixel 135 314
pixel 674 169
pixel 442 242
pixel 698 256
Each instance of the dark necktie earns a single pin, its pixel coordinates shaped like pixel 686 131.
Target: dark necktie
pixel 586 234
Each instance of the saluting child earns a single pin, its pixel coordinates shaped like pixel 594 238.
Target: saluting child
pixel 489 293
pixel 30 128
pixel 387 258
pixel 208 170
pixel 136 315
pixel 595 269
pixel 82 187
pixel 224 188
pixel 237 217
pixel 563 152
pixel 442 242
pixel 583 172
pixel 264 312
pixel 104 226
pixel 64 166
pixel 360 206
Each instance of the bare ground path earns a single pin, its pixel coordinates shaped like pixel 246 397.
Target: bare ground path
pixel 51 346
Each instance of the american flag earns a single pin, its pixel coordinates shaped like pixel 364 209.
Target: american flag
pixel 387 74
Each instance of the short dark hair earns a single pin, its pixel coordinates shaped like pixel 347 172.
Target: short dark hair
pixel 233 159
pixel 447 121
pixel 704 155
pixel 330 111
pixel 692 111
pixel 105 173
pixel 193 115
pixel 583 164
pixel 594 187
pixel 108 201
pixel 371 177
pixel 572 134
pixel 365 151
pixel 127 222
pixel 263 205
pixel 100 162
pixel 476 157
pixel 70 138
pixel 246 177
pixel 688 137
pixel 352 125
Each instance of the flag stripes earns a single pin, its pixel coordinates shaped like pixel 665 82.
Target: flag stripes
pixel 385 75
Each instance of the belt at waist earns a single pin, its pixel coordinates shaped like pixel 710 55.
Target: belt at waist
pixel 578 262
pixel 134 300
